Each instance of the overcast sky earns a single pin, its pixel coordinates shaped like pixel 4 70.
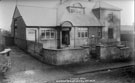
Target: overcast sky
pixel 7 8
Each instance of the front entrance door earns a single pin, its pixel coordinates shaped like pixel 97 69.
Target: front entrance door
pixel 65 38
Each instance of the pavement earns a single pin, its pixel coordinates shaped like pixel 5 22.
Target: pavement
pixel 26 69
pixel 93 66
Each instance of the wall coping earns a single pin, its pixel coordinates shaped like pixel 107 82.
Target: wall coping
pixel 64 49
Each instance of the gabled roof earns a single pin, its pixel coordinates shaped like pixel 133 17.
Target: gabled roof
pixel 81 20
pixel 38 16
pixel 43 16
pixel 104 5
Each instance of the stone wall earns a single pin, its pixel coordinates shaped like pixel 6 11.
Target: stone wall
pixel 70 56
pixel 113 52
pixel 34 48
pixel 21 43
pixel 65 56
pixel 49 56
pixel 57 56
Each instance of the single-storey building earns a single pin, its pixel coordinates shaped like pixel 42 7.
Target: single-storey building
pixel 62 35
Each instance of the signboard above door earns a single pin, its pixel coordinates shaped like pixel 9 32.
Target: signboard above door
pixel 66 28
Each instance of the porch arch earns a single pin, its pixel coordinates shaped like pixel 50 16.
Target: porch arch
pixel 66 24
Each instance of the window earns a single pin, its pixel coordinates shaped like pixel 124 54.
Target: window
pixel 79 34
pixel 42 34
pixel 47 34
pixel 110 17
pixel 110 33
pixel 52 34
pixel 15 23
pixel 76 8
pixel 86 34
pixel 82 32
pixel 99 34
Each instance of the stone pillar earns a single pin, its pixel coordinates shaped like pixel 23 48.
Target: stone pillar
pixel 59 37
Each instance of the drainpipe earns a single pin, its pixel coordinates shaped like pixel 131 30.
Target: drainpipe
pixel 38 34
pixel 35 40
pixel 74 36
pixel 59 35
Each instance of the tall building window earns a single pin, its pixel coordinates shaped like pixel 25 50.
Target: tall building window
pixel 110 33
pixel 47 34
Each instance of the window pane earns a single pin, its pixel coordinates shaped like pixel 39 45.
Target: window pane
pixel 79 34
pixel 110 17
pixel 42 34
pixel 72 10
pixel 76 10
pixel 82 34
pixel 47 34
pixel 86 34
pixel 99 34
pixel 52 34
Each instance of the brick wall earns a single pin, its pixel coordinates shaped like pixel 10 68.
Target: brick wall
pixel 20 34
pixel 21 43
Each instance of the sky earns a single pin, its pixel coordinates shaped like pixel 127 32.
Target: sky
pixel 7 9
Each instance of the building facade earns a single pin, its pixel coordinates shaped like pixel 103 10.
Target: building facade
pixel 63 34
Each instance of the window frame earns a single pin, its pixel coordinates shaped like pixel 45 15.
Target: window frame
pixel 76 9
pixel 49 31
pixel 110 17
pixel 82 33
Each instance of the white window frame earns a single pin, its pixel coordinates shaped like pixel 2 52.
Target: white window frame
pixel 76 8
pixel 50 36
pixel 82 32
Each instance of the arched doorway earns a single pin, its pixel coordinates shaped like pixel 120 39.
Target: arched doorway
pixel 66 28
